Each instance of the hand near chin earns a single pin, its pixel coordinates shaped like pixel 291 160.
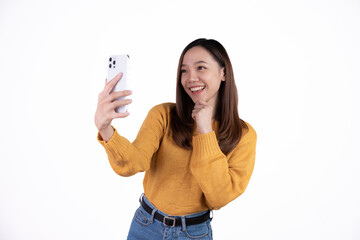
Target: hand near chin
pixel 202 114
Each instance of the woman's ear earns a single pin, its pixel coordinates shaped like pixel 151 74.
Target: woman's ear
pixel 223 74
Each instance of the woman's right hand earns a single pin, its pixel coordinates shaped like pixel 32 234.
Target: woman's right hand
pixel 105 111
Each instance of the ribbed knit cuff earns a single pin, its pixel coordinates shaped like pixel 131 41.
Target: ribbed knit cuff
pixel 116 146
pixel 205 146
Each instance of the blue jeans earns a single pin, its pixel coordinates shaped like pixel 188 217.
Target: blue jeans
pixel 145 227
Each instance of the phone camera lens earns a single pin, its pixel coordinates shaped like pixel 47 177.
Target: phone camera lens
pixel 114 62
pixel 110 66
pixel 110 59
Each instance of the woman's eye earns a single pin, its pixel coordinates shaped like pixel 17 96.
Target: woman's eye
pixel 183 71
pixel 201 67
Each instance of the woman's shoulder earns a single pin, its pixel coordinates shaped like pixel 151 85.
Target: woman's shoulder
pixel 161 111
pixel 163 107
pixel 248 134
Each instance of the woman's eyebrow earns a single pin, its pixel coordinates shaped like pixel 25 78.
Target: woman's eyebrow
pixel 198 62
pixel 201 61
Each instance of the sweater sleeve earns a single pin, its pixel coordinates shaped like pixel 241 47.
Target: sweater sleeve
pixel 223 178
pixel 127 158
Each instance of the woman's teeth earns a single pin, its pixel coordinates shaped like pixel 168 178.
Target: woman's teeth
pixel 195 89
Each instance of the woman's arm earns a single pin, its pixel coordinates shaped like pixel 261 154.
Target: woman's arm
pixel 128 158
pixel 223 178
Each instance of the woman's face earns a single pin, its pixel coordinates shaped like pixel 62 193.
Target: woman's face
pixel 201 75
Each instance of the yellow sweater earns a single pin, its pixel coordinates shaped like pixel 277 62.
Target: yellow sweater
pixel 179 181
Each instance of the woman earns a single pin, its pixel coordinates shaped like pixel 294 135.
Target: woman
pixel 197 154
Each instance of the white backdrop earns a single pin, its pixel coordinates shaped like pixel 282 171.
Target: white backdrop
pixel 296 65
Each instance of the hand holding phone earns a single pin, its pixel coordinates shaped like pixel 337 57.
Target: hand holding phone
pixel 119 64
pixel 114 89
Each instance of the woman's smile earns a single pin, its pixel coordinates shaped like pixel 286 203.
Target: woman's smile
pixel 197 89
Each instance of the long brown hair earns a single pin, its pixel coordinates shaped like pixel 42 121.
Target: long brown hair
pixel 226 112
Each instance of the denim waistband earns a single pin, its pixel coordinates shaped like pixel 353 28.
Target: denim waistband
pixel 186 216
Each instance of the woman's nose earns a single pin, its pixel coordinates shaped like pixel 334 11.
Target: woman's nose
pixel 193 76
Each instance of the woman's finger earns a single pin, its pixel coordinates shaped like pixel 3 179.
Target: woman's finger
pixel 198 106
pixel 115 78
pixel 122 102
pixel 196 110
pixel 110 85
pixel 201 102
pixel 120 115
pixel 193 116
pixel 109 98
pixel 115 95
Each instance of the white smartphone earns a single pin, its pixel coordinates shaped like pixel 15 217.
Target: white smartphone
pixel 119 64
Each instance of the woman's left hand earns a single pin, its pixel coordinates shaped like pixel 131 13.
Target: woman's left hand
pixel 202 114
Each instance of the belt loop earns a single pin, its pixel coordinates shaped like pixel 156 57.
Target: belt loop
pixel 154 210
pixel 183 224
pixel 141 197
pixel 152 215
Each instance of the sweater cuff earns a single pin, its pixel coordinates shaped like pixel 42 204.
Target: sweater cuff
pixel 101 140
pixel 117 144
pixel 205 145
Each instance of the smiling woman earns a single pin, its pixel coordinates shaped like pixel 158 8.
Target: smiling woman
pixel 205 63
pixel 197 154
pixel 296 66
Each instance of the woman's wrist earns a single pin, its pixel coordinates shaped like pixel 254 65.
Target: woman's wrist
pixel 106 133
pixel 205 130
